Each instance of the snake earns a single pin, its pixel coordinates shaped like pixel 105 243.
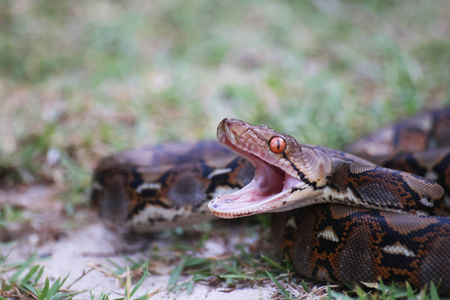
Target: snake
pixel 376 211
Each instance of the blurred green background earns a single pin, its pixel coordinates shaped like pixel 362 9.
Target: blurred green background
pixel 82 79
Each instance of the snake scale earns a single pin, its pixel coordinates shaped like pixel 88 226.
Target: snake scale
pixel 341 217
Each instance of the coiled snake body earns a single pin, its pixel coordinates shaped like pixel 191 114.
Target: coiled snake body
pixel 343 218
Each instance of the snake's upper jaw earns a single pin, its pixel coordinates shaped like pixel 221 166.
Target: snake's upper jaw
pixel 272 188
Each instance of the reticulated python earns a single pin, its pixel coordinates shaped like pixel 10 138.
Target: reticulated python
pixel 342 217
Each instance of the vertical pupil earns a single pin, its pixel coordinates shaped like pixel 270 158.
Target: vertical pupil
pixel 277 145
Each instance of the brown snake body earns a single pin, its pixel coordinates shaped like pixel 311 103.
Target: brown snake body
pixel 344 219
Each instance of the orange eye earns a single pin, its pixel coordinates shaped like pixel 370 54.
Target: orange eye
pixel 277 144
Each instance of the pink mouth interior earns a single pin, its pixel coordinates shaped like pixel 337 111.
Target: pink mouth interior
pixel 268 182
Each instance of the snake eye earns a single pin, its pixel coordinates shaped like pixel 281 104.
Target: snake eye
pixel 277 144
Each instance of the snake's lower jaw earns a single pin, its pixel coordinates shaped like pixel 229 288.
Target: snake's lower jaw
pixel 269 191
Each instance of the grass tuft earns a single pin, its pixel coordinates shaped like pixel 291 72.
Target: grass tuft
pixel 25 282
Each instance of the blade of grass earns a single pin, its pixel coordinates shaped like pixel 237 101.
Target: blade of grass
pixel 285 293
pixel 143 297
pixel 138 285
pixel 175 276
pixel 433 292
pixel 44 292
pixel 39 275
pixel 22 267
pixel 272 263
pixel 30 274
pixel 54 288
pixel 329 292
pixel 305 287
pixel 409 291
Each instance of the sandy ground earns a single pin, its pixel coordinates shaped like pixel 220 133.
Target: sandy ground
pixel 87 248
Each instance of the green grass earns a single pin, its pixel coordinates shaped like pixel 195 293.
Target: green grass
pixel 83 80
pixel 80 79
pixel 24 282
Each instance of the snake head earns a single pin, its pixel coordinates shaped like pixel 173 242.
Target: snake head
pixel 287 176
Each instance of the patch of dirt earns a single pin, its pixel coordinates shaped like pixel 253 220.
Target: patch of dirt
pixel 83 249
pixel 32 214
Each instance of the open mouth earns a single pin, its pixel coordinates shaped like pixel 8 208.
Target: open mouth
pixel 267 192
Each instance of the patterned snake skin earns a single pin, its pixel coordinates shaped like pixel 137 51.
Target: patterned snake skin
pixel 343 218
